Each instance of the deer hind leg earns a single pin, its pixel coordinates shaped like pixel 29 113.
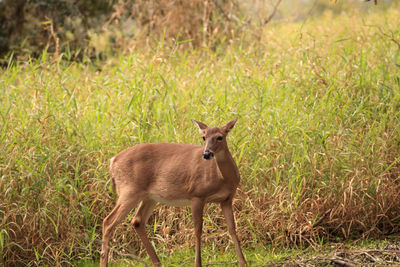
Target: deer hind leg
pixel 124 205
pixel 139 223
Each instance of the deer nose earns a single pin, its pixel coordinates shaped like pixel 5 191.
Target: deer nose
pixel 208 155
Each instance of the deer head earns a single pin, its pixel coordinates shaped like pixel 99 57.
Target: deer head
pixel 214 138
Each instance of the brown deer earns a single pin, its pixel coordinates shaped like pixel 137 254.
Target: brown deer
pixel 177 175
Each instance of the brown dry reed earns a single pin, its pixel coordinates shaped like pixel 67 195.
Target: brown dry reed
pixel 317 141
pixel 195 23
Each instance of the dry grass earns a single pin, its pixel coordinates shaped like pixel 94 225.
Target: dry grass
pixel 199 23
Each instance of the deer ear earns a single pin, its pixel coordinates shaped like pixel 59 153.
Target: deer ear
pixel 228 127
pixel 201 126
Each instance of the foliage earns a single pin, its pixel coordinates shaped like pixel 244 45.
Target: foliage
pixel 318 131
pixel 28 27
pixel 98 27
pixel 101 28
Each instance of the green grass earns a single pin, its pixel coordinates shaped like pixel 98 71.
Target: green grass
pixel 318 130
pixel 355 252
pixel 210 256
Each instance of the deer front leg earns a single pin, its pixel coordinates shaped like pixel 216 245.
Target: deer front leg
pixel 230 221
pixel 197 214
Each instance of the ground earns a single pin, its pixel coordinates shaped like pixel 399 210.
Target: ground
pixel 357 253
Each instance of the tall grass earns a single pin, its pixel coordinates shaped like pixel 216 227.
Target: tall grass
pixel 318 136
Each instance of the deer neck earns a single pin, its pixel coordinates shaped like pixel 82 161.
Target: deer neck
pixel 227 165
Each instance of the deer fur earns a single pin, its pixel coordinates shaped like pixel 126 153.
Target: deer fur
pixel 177 175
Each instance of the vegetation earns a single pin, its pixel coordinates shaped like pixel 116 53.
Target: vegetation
pixel 102 28
pixel 317 141
pixel 370 253
pixel 98 28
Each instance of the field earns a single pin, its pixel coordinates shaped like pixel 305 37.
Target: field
pixel 317 140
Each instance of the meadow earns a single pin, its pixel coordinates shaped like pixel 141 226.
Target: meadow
pixel 317 141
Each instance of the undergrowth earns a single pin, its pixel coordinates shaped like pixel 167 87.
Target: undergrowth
pixel 318 136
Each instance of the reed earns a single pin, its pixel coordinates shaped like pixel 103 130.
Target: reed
pixel 318 136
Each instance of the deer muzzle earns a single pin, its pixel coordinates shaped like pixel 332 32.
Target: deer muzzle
pixel 207 155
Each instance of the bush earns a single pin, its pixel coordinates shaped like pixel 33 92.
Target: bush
pixel 98 27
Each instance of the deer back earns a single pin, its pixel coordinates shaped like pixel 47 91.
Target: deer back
pixel 166 172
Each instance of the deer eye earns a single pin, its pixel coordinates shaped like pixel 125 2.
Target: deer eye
pixel 219 138
pixel 204 138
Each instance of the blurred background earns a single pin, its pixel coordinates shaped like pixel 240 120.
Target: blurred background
pixel 95 28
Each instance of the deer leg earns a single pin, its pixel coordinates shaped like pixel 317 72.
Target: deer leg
pixel 139 223
pixel 230 220
pixel 122 208
pixel 197 214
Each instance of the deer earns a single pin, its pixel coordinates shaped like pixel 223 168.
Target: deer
pixel 177 175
